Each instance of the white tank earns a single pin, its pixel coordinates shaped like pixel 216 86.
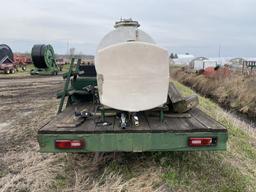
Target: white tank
pixel 132 71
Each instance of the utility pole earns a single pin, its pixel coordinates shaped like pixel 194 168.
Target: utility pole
pixel 219 50
pixel 67 47
pixel 219 60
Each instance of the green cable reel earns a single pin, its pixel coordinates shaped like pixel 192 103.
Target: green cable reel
pixel 43 58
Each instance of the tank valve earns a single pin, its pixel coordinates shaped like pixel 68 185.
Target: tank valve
pixel 123 121
pixel 135 119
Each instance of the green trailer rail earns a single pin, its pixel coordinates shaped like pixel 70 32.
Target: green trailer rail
pixel 173 134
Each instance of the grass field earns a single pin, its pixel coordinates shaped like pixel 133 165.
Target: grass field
pixel 23 168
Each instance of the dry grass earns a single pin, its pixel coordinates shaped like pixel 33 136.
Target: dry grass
pixel 240 156
pixel 30 171
pixel 22 168
pixel 237 92
pixel 114 172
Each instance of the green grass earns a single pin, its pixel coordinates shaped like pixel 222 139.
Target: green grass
pixel 65 68
pixel 26 73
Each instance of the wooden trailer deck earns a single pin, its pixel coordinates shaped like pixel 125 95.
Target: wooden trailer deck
pixel 193 121
pixel 172 134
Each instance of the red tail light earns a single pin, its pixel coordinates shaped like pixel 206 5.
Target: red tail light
pixel 69 144
pixel 202 141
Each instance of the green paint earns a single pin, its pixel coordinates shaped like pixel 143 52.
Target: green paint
pixel 133 142
pixel 162 115
pixel 44 71
pixel 81 82
pixel 66 85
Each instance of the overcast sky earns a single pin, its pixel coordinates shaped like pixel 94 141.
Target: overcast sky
pixel 194 26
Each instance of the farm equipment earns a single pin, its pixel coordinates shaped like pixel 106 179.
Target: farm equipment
pixel 60 62
pixel 44 60
pixel 22 60
pixel 249 67
pixel 125 102
pixel 7 65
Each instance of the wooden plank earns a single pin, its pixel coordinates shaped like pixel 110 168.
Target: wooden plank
pixel 198 121
pixel 206 120
pixel 156 125
pixel 171 115
pixel 99 127
pixel 177 124
pixel 67 118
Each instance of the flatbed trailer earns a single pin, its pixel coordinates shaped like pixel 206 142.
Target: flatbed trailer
pixel 177 132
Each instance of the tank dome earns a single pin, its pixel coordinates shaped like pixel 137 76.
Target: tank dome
pixel 125 30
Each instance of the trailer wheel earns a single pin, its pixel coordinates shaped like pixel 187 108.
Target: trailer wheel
pixel 7 71
pixel 12 71
pixel 23 68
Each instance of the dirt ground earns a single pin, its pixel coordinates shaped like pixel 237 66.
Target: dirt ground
pixel 25 105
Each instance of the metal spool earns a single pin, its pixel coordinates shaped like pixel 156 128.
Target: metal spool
pixel 5 51
pixel 43 56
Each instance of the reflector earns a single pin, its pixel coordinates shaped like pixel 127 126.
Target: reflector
pixel 69 144
pixel 200 142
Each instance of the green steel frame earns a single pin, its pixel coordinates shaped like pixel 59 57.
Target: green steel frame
pixel 132 142
pixel 46 71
